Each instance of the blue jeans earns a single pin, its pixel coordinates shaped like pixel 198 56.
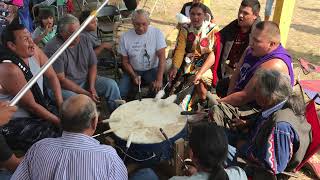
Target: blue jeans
pixel 126 85
pixel 5 175
pixel 105 87
pixel 268 8
pixel 144 174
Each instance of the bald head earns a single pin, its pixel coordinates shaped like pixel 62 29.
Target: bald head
pixel 77 113
pixel 271 29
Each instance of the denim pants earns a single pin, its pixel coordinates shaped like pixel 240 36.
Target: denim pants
pixel 268 8
pixel 144 174
pixel 5 174
pixel 126 85
pixel 105 87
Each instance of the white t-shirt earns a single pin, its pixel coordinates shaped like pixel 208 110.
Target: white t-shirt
pixel 141 49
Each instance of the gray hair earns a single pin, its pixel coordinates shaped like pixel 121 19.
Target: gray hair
pixel 77 119
pixel 274 84
pixel 140 12
pixel 277 86
pixel 64 23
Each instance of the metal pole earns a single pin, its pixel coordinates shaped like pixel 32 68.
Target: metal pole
pixel 54 57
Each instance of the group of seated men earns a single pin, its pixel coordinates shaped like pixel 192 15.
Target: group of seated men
pixel 263 119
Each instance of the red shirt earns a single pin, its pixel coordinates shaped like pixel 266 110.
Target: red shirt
pixel 237 48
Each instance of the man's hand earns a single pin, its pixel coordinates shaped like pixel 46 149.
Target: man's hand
pixel 196 79
pixel 6 112
pixel 106 45
pixel 93 95
pixel 54 119
pixel 191 170
pixel 238 123
pixel 157 85
pixel 172 73
pixel 47 30
pixel 136 80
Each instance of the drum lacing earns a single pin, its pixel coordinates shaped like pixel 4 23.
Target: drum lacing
pixel 139 160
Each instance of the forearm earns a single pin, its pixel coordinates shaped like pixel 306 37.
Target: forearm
pixel 92 76
pixel 98 50
pixel 162 64
pixel 56 88
pixel 128 68
pixel 42 112
pixel 207 64
pixel 237 99
pixel 71 86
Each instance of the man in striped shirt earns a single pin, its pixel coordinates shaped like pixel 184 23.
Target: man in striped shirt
pixel 75 155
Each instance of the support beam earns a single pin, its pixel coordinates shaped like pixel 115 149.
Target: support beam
pixel 282 16
pixel 207 3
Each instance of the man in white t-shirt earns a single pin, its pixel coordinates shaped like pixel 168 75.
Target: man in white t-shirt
pixel 143 54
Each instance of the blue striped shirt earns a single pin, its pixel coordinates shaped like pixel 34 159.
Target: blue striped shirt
pixel 72 156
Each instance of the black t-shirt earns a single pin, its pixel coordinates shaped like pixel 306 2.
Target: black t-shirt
pixel 131 4
pixel 186 7
pixel 5 151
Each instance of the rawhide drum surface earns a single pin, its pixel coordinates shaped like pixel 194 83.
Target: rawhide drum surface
pixel 145 118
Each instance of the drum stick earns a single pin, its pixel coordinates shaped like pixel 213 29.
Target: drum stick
pixel 171 146
pixel 139 84
pixel 166 85
pixel 110 120
pixel 105 132
pixel 128 146
pixel 55 56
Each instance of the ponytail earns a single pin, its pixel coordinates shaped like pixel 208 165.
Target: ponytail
pixel 295 103
pixel 217 173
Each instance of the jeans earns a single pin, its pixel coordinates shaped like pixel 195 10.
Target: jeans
pixel 268 8
pixel 5 175
pixel 144 174
pixel 105 87
pixel 126 85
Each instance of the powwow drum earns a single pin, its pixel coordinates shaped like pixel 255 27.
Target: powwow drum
pixel 143 120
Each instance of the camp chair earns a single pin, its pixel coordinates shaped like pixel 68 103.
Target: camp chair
pixel 107 18
pixel 314 121
pixel 308 87
pixel 36 9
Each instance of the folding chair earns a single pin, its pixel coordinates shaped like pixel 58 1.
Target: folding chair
pixel 314 147
pixel 309 87
pixel 106 27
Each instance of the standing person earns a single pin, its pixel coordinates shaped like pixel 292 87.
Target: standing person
pixel 142 52
pixel 268 10
pixel 235 36
pixel 194 58
pixel 76 67
pixel 75 155
pixel 47 29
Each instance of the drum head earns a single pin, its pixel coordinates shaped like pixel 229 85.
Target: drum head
pixel 145 118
